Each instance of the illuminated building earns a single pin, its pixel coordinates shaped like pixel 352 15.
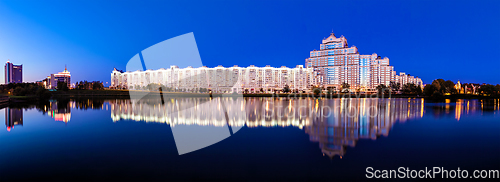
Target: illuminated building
pixel 331 66
pixel 458 87
pixel 337 63
pixel 13 117
pixel 51 81
pixel 13 73
pixel 218 79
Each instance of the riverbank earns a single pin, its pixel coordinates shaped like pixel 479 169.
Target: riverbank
pixel 125 94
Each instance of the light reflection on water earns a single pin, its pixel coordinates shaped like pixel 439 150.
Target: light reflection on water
pixel 104 138
pixel 333 123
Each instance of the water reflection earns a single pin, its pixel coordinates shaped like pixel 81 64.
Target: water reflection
pixel 179 111
pixel 59 110
pixel 13 117
pixel 356 119
pixel 461 107
pixel 333 123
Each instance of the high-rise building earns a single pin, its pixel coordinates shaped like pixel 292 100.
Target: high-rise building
pixel 13 73
pixel 337 63
pixel 51 81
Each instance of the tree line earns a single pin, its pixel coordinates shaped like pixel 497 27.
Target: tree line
pixel 26 89
pixel 441 87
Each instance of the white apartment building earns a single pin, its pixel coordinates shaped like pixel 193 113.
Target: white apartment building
pixel 218 79
pixel 331 66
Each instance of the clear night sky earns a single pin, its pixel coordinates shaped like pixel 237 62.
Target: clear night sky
pixel 444 39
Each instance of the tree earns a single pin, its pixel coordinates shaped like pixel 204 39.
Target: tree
pixel 19 91
pixel 261 90
pixel 395 86
pixel 429 89
pixel 97 85
pixel 382 89
pixel 439 84
pixel 330 90
pixel 488 89
pixel 316 90
pixel 286 89
pixel 410 88
pixel 419 90
pixel 62 86
pixel 43 94
pixel 345 87
pixel 449 87
pixel 153 87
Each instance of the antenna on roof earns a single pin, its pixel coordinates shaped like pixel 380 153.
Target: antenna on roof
pixel 65 68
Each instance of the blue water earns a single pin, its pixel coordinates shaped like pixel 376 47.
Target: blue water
pixel 101 140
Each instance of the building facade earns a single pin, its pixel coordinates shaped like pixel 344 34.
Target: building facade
pixel 51 81
pixel 13 73
pixel 337 63
pixel 333 65
pixel 218 79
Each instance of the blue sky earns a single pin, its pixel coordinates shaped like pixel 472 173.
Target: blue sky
pixel 456 40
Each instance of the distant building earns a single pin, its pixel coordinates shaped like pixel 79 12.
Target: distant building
pixel 13 73
pixel 13 117
pixel 51 81
pixel 458 86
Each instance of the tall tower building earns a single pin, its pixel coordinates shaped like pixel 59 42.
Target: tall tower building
pixel 337 63
pixel 13 73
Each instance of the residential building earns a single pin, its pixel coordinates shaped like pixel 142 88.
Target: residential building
pixel 13 73
pixel 331 66
pixel 337 63
pixel 218 79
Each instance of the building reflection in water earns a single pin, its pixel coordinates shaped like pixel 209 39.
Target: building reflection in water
pixel 355 119
pixel 59 110
pixel 333 123
pixel 182 111
pixel 13 117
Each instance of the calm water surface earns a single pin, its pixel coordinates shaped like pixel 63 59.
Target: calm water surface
pixel 271 139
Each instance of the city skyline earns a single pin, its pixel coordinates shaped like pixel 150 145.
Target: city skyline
pixel 106 38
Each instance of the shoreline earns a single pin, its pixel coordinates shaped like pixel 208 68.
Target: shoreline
pixel 125 94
